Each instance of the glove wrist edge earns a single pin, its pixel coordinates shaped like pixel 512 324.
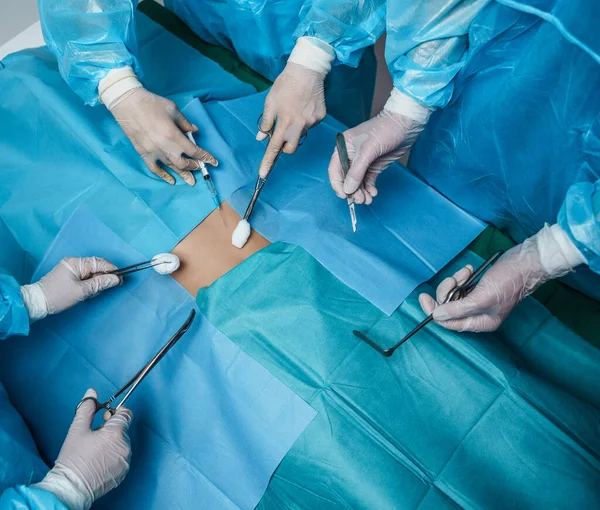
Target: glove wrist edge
pixel 558 254
pixel 35 301
pixel 116 84
pixel 67 487
pixel 313 54
pixel 403 104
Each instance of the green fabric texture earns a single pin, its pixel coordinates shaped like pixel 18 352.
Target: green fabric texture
pixel 475 421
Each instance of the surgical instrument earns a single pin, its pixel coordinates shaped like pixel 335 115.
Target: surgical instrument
pixel 134 268
pixel 139 377
pixel 260 182
pixel 340 143
pixel 162 258
pixel 458 292
pixel 207 178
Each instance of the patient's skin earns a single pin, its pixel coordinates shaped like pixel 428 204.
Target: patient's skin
pixel 207 254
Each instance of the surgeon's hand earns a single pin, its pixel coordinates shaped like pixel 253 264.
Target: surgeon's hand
pixel 372 147
pixel 90 462
pixel 73 280
pixel 518 273
pixel 297 102
pixel 157 128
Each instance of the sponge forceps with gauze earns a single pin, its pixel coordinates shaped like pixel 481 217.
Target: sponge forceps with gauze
pixel 260 182
pixel 163 263
pixel 134 268
pixel 139 377
pixel 458 292
pixel 240 235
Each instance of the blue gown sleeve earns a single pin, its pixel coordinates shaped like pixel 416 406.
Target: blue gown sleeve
pixel 14 319
pixel 349 27
pixel 579 217
pixel 22 497
pixel 426 46
pixel 89 39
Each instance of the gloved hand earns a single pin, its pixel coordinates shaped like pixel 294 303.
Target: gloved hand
pixel 518 273
pixel 376 144
pixel 72 280
pixel 90 462
pixel 372 147
pixel 296 99
pixel 156 128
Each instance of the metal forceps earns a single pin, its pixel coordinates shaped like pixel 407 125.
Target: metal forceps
pixel 458 292
pixel 139 377
pixel 134 268
pixel 260 182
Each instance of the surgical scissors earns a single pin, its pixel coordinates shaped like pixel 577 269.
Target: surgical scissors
pixel 458 292
pixel 260 181
pixel 139 377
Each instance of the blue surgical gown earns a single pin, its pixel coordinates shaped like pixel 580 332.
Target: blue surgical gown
pixel 426 46
pixel 29 498
pixel 91 38
pixel 14 319
pixel 428 42
pixel 19 459
pixel 519 143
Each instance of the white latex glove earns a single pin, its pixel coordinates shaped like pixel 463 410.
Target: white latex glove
pixel 90 462
pixel 376 144
pixel 156 128
pixel 154 125
pixel 518 273
pixel 296 99
pixel 72 280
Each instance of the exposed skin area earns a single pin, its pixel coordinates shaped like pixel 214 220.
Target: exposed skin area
pixel 206 252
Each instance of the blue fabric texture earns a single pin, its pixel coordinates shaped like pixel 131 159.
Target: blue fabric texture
pixel 29 498
pixel 210 424
pixel 494 421
pixel 98 167
pixel 89 39
pixel 574 19
pixel 426 46
pixel 348 86
pixel 579 217
pixel 20 462
pixel 13 259
pixel 14 319
pixel 348 27
pixel 521 138
pixel 263 33
pixel 395 248
pixel 48 137
pixel 427 42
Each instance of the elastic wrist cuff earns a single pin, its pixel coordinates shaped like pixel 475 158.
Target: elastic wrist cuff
pixel 313 53
pixel 558 254
pixel 402 104
pixel 34 300
pixel 67 487
pixel 116 84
